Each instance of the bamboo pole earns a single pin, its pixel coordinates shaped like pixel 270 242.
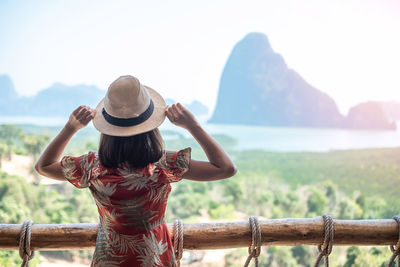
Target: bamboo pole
pixel 288 232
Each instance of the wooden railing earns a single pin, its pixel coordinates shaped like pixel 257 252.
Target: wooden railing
pixel 220 235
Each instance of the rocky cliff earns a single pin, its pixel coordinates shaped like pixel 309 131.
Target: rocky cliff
pixel 257 88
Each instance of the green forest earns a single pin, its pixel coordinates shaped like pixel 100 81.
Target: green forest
pixel 348 184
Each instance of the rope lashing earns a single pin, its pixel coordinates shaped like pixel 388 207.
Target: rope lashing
pixel 25 251
pixel 178 240
pixel 395 249
pixel 326 247
pixel 255 247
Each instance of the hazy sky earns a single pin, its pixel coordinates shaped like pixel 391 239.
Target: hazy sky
pixel 348 49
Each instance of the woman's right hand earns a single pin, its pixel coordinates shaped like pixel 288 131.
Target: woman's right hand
pixel 181 116
pixel 80 117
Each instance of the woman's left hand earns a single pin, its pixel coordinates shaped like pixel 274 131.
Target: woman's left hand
pixel 80 117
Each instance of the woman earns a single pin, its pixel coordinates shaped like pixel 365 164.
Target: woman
pixel 129 177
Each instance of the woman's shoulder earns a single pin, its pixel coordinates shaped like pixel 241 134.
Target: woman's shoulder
pixel 170 157
pixel 174 163
pixel 92 156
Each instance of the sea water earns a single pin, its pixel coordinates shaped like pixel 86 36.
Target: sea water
pixel 282 139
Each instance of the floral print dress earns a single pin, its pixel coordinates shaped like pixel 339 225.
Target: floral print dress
pixel 131 203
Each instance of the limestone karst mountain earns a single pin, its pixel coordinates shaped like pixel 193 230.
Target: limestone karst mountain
pixel 258 88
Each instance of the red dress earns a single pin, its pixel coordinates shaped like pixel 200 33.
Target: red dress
pixel 131 204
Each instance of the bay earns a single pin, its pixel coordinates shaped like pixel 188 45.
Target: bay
pixel 279 139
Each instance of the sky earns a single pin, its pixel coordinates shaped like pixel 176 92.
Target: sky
pixel 348 49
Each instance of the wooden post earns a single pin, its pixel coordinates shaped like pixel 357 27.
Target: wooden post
pixel 288 232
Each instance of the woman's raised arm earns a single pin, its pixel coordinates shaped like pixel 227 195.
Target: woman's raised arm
pixel 219 166
pixel 49 162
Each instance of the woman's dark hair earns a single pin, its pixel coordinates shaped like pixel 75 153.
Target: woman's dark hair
pixel 137 150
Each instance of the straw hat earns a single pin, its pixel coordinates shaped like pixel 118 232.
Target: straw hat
pixel 129 108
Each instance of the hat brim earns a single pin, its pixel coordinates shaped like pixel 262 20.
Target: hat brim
pixel 155 120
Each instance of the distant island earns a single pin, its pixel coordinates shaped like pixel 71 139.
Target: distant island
pixel 196 107
pixel 57 100
pixel 391 109
pixel 258 88
pixel 60 100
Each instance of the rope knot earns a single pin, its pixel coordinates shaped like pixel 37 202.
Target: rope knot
pixel 25 251
pixel 325 248
pixel 396 248
pixel 255 247
pixel 178 241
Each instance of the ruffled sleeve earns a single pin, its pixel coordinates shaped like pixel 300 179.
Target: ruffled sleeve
pixel 174 164
pixel 78 170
